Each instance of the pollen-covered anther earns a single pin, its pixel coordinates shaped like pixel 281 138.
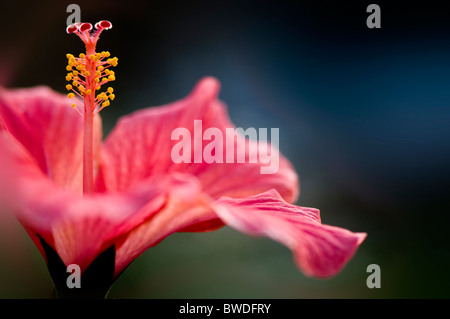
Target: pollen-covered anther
pixel 113 61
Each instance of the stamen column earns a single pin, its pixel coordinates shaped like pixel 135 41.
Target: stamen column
pixel 89 75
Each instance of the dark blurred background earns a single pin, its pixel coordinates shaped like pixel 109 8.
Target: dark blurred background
pixel 364 116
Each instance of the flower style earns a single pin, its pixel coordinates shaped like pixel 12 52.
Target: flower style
pixel 132 194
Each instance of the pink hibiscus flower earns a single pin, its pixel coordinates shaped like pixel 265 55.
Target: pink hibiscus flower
pixel 79 198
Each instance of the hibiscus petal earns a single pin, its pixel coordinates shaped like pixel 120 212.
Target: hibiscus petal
pixel 44 122
pixel 186 206
pixel 319 250
pixel 77 227
pixel 141 145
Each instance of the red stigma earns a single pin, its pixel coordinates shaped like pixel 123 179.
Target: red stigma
pixel 103 25
pixel 89 37
pixel 72 28
pixel 85 27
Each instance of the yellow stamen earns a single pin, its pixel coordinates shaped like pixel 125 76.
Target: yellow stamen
pixel 88 73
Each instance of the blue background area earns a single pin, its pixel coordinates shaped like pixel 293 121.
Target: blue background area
pixel 364 116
